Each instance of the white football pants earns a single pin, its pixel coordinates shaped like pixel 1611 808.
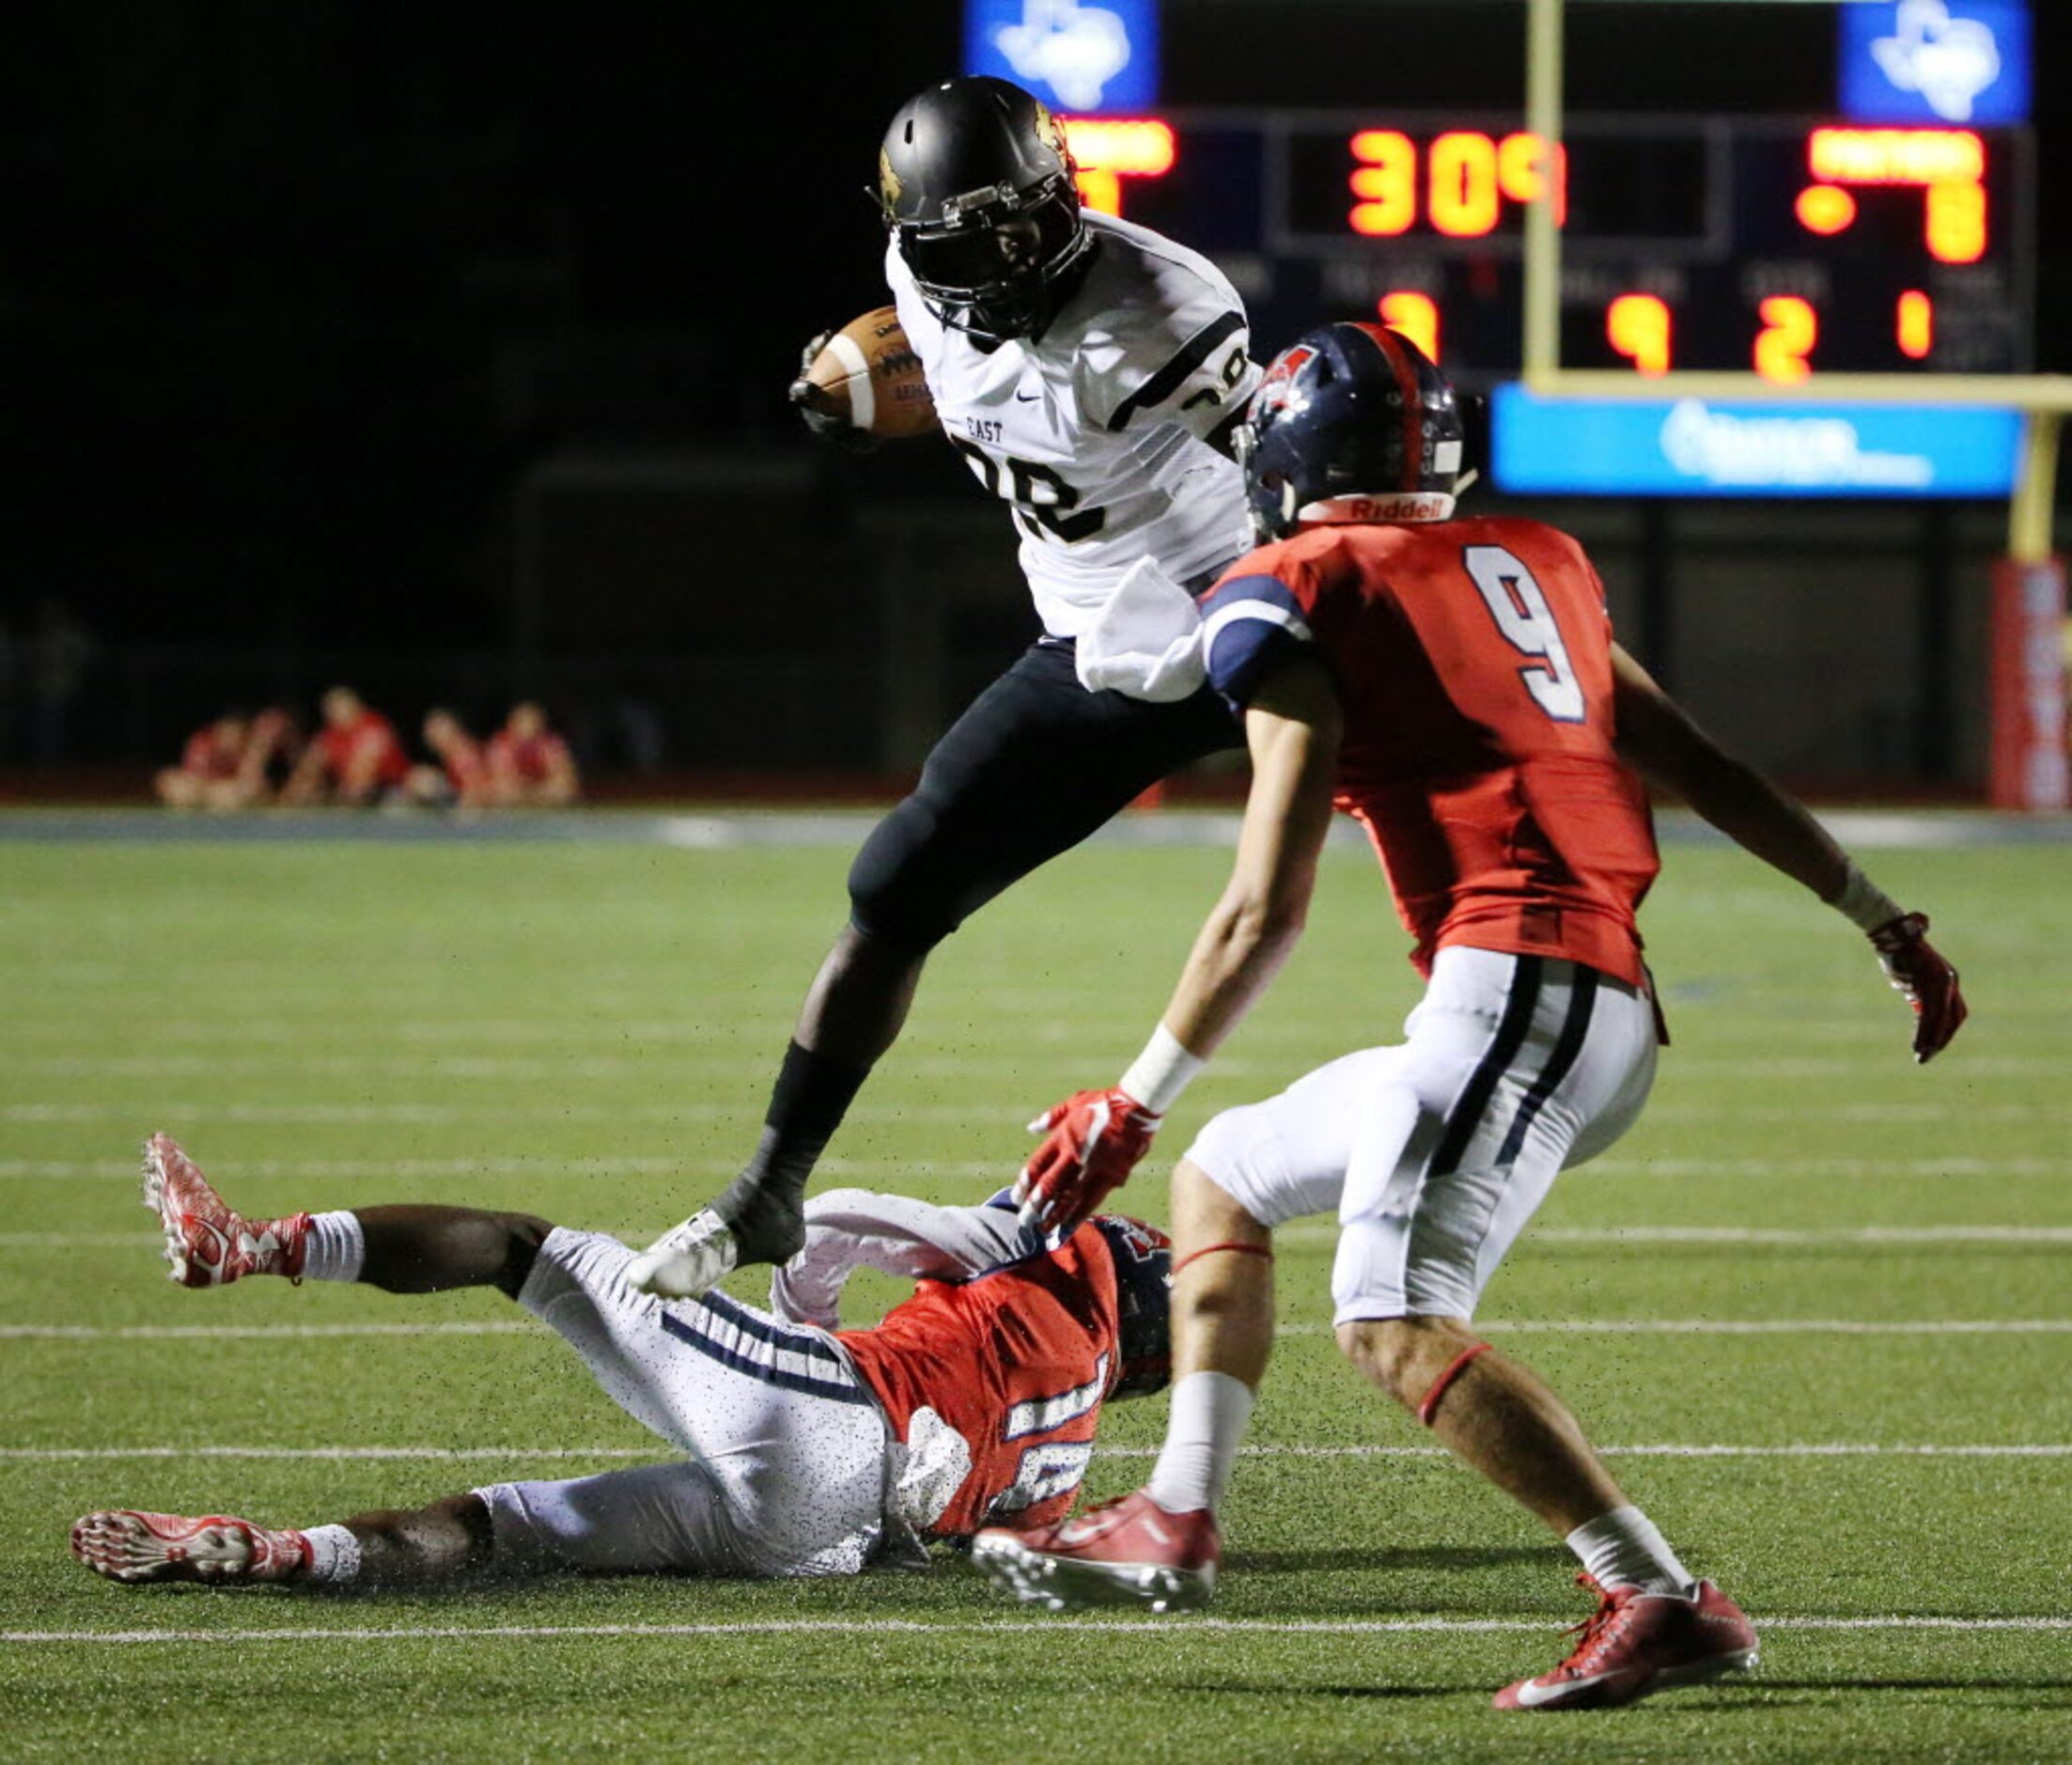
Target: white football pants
pixel 787 1447
pixel 1435 1153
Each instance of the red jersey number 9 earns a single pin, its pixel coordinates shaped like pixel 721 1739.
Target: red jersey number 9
pixel 1521 614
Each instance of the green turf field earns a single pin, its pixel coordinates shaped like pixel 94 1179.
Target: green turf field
pixel 1857 1262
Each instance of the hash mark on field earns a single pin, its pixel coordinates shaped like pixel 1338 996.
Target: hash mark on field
pixel 1827 1449
pixel 1167 1627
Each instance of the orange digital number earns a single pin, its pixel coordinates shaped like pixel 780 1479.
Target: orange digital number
pixel 1463 178
pixel 1522 172
pixel 1790 328
pixel 1638 327
pixel 1416 316
pixel 1385 182
pixel 1916 325
pixel 1956 221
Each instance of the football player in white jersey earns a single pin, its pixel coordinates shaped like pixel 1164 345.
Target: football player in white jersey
pixel 1091 372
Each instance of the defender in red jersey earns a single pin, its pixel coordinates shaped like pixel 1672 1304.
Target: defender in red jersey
pixel 460 779
pixel 809 1450
pixel 210 765
pixel 529 765
pixel 1453 684
pixel 355 757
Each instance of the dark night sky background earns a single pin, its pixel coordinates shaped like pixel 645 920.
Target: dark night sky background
pixel 293 290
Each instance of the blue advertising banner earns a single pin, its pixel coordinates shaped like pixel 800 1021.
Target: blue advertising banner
pixel 1086 60
pixel 1707 447
pixel 1961 62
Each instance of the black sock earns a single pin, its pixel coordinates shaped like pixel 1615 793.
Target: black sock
pixel 764 1203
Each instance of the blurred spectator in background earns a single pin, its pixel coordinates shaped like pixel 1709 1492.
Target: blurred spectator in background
pixel 211 773
pixel 272 754
pixel 529 764
pixel 356 759
pixel 461 780
pixel 59 653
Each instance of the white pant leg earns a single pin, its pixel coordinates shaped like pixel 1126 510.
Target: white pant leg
pixel 653 1518
pixel 771 1413
pixel 1435 1154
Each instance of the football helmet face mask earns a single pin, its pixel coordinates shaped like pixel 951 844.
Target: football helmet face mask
pixel 1352 423
pixel 978 188
pixel 1144 1285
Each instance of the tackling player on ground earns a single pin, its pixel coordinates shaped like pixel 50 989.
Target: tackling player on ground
pixel 1453 684
pixel 811 1450
pixel 1089 372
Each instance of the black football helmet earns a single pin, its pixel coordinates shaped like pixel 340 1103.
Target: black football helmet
pixel 1144 1284
pixel 976 183
pixel 1351 423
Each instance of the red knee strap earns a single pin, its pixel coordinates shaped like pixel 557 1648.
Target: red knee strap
pixel 1209 1250
pixel 1429 1408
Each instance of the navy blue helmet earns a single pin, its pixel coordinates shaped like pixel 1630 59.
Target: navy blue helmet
pixel 1144 1284
pixel 1351 423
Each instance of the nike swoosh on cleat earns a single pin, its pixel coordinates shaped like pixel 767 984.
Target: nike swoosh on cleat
pixel 1533 1693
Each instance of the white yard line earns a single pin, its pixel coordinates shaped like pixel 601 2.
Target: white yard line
pixel 314 1114
pixel 538 1167
pixel 1541 1326
pixel 1168 1629
pixel 1932 1237
pixel 188 1333
pixel 1757 1326
pixel 1838 1237
pixel 1820 1449
pixel 907 1170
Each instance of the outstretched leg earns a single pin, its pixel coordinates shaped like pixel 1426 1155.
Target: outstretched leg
pixel 406 1249
pixel 440 1542
pixel 1656 1626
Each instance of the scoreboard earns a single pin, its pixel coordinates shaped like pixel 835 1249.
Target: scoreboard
pixel 1687 242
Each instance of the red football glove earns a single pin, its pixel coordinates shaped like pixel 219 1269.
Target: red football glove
pixel 1916 969
pixel 1092 1142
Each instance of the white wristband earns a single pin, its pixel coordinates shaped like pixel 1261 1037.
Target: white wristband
pixel 1863 903
pixel 1158 1076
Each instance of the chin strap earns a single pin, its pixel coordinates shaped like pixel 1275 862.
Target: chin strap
pixel 1428 1408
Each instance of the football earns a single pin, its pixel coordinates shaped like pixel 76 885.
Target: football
pixel 869 374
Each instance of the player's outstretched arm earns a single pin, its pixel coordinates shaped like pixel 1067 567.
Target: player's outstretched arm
pixel 1095 1138
pixel 1657 735
pixel 848 1229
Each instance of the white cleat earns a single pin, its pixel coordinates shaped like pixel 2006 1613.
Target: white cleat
pixel 687 1261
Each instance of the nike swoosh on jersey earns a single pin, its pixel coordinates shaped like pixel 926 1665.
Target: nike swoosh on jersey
pixel 1027 398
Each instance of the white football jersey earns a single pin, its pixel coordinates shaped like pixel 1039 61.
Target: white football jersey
pixel 1095 431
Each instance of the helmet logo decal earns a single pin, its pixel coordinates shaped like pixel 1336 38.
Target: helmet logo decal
pixel 1048 129
pixel 889 185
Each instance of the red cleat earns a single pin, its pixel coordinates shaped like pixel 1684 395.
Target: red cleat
pixel 206 1241
pixel 1636 1643
pixel 136 1547
pixel 1128 1551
